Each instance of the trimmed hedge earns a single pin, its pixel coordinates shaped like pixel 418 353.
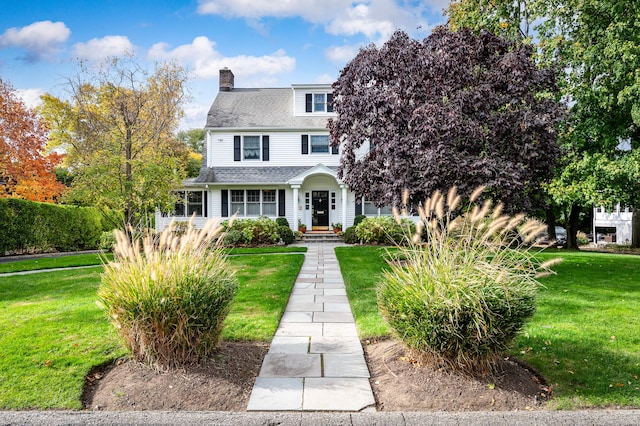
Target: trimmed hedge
pixel 27 226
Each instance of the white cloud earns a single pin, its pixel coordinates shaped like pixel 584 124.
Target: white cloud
pixel 195 116
pixel 98 49
pixel 361 19
pixel 311 10
pixel 41 40
pixel 325 79
pixel 30 97
pixel 205 61
pixel 375 19
pixel 341 54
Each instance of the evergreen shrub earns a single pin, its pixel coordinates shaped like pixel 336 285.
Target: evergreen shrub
pixel 282 221
pixel 34 227
pixel 252 232
pixel 384 230
pixel 350 236
pixel 286 234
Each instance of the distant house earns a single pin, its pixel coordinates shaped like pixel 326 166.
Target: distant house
pixel 613 225
pixel 267 153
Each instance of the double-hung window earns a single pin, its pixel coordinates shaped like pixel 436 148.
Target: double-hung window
pixel 237 202
pixel 371 210
pixel 254 202
pixel 319 102
pixel 251 148
pixel 190 203
pixel 319 144
pixel 269 197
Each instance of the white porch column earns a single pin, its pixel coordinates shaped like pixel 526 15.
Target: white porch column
pixel 344 206
pixel 296 205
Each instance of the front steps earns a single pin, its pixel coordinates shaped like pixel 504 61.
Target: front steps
pixel 321 237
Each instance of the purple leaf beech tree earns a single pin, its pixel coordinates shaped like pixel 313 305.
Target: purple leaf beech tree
pixel 455 109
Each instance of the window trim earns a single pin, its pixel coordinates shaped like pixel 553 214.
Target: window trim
pixel 379 210
pixel 258 149
pixel 307 145
pixel 183 200
pixel 245 202
pixel 310 103
pixel 263 149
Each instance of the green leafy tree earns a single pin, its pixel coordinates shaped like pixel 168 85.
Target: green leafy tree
pixel 455 109
pixel 596 46
pixel 118 130
pixel 194 140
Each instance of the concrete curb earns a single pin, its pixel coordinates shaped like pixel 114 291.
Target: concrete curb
pixel 579 418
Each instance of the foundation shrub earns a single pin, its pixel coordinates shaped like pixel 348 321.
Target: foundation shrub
pixel 286 234
pixel 384 230
pixel 252 232
pixel 459 292
pixel 282 221
pixel 350 236
pixel 168 297
pixel 359 218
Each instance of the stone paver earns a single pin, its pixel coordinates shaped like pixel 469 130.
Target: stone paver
pixel 279 393
pixel 315 361
pixel 337 393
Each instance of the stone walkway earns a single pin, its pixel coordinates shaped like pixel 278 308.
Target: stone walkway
pixel 315 362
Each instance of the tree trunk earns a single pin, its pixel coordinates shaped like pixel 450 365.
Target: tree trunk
pixel 572 227
pixel 635 228
pixel 551 223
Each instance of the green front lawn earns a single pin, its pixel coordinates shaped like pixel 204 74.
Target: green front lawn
pixel 65 261
pixel 53 332
pixel 584 337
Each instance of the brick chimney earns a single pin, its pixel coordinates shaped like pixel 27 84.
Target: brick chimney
pixel 226 80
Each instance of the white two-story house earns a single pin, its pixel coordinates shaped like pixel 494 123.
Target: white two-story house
pixel 267 153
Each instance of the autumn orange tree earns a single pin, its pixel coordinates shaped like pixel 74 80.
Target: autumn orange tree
pixel 26 170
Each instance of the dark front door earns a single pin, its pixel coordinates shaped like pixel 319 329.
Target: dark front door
pixel 320 216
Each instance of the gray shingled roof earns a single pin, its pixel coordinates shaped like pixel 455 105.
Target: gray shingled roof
pixel 258 108
pixel 249 175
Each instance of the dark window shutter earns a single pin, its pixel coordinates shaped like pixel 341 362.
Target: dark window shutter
pixel 236 148
pixel 329 102
pixel 305 144
pixel 335 149
pixel 225 203
pixel 205 193
pixel 282 211
pixel 308 102
pixel 358 208
pixel 265 148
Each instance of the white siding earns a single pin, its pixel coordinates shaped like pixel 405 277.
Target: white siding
pixel 285 149
pixel 619 218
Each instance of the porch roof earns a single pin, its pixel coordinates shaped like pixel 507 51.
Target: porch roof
pixel 252 175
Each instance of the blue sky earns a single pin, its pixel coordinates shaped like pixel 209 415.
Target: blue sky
pixel 266 43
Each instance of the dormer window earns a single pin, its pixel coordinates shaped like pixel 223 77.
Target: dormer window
pixel 319 102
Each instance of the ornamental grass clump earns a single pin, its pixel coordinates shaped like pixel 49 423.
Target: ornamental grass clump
pixel 465 284
pixel 168 296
